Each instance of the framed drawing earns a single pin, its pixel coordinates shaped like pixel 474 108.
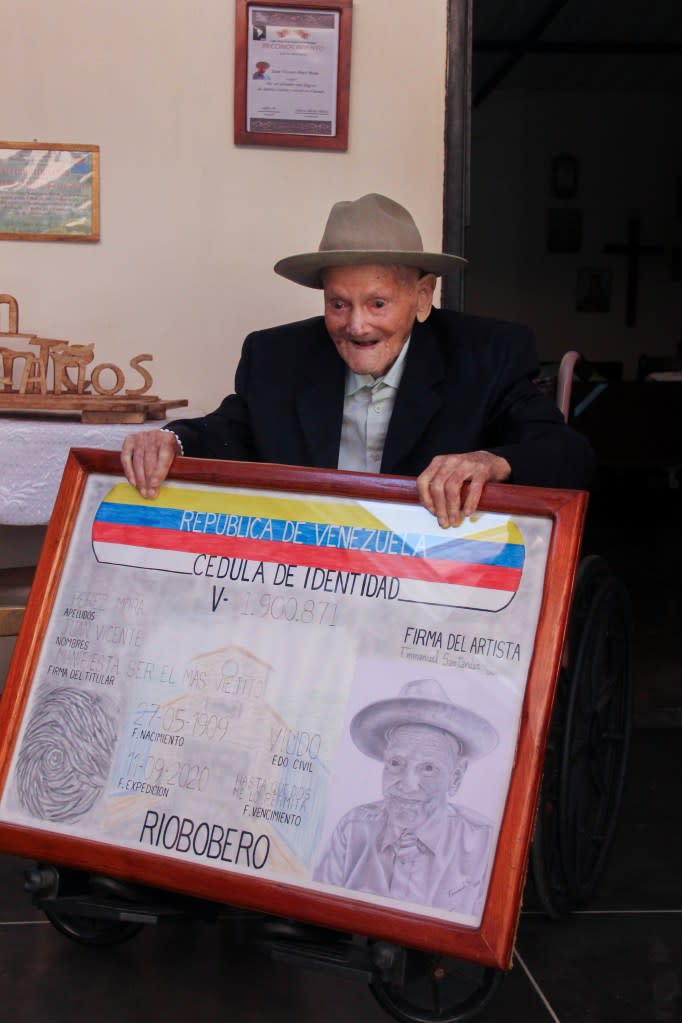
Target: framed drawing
pixel 565 176
pixel 275 687
pixel 49 191
pixel 593 290
pixel 292 73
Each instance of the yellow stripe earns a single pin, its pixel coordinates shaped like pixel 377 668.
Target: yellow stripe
pixel 260 506
pixel 509 532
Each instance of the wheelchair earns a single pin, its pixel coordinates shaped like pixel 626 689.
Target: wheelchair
pixel 577 813
pixel 587 748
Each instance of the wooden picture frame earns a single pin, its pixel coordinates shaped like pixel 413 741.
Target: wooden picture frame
pixel 326 599
pixel 564 176
pixel 593 289
pixel 53 194
pixel 292 73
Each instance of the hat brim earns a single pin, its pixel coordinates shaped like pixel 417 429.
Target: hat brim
pixel 368 729
pixel 307 267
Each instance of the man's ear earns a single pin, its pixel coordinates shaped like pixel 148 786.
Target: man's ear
pixel 426 286
pixel 457 774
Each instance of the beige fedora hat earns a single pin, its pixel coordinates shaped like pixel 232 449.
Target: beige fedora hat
pixel 422 702
pixel 372 229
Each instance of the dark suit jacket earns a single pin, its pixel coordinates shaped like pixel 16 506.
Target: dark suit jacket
pixel 467 385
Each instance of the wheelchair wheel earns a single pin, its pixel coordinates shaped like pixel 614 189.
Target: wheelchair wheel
pixel 58 891
pixel 596 739
pixel 437 989
pixel 546 868
pixel 587 746
pixel 92 930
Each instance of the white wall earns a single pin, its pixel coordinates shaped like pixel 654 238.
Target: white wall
pixel 630 152
pixel 192 224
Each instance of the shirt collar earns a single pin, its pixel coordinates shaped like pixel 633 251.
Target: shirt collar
pixel 431 833
pixel 356 381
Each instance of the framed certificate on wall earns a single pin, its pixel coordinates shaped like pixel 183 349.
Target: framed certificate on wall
pixel 292 73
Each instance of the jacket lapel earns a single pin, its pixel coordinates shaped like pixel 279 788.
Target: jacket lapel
pixel 418 398
pixel 319 402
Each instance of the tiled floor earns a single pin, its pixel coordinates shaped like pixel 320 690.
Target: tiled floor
pixel 619 960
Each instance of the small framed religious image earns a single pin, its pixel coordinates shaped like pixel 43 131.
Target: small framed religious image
pixel 49 191
pixel 231 690
pixel 593 290
pixel 564 176
pixel 292 73
pixel 564 229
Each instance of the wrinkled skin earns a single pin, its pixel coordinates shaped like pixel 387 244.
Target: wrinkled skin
pixel 369 313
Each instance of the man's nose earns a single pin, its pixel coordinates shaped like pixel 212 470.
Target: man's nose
pixel 357 323
pixel 409 779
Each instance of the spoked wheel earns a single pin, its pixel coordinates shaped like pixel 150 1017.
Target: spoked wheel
pixel 587 747
pixel 592 571
pixel 92 930
pixel 596 740
pixel 437 989
pixel 545 853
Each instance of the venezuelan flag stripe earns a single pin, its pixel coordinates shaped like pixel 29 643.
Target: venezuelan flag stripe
pixel 380 541
pixel 472 566
pixel 237 503
pixel 494 576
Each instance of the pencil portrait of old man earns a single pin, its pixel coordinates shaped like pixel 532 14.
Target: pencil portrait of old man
pixel 416 844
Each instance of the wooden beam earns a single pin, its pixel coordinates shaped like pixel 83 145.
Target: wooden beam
pixel 520 49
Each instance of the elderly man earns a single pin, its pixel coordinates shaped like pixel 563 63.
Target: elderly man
pixel 383 382
pixel 415 844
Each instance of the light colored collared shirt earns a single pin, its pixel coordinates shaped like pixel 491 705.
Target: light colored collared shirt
pixel 367 409
pixel 444 863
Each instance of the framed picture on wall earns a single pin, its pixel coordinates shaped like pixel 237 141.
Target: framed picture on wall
pixel 593 290
pixel 564 176
pixel 292 73
pixel 49 191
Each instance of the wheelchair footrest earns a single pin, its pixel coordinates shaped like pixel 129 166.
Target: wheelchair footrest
pixel 343 956
pixel 94 908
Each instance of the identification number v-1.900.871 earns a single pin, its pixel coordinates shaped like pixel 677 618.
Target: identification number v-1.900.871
pixel 279 607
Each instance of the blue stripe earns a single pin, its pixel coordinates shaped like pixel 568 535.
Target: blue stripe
pixel 355 538
pixel 137 515
pixel 480 552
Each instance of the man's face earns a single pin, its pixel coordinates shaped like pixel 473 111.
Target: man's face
pixel 369 312
pixel 420 768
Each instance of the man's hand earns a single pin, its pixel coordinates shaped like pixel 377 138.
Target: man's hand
pixel 146 458
pixel 440 485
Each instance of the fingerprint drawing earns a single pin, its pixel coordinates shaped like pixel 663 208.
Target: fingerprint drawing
pixel 66 754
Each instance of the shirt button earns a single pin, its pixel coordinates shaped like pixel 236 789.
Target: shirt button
pixel 377 408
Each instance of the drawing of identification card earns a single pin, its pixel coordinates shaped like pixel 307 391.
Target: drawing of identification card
pixel 314 689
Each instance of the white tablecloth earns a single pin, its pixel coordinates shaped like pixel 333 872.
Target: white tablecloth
pixel 32 457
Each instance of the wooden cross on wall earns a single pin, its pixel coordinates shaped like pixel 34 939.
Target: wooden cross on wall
pixel 633 250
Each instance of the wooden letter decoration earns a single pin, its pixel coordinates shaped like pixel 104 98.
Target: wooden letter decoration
pixel 54 379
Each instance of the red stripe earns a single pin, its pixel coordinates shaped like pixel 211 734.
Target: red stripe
pixel 493 577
